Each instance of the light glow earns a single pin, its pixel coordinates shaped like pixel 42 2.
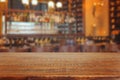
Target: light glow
pixel 59 5
pixel 25 2
pixel 34 2
pixel 51 4
pixel 2 0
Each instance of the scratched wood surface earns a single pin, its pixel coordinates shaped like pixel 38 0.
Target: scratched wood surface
pixel 60 65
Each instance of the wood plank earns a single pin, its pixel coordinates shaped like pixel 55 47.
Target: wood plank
pixel 60 64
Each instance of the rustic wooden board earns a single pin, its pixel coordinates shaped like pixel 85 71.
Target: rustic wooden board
pixel 60 64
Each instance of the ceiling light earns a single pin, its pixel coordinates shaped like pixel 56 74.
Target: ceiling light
pixel 51 4
pixel 34 2
pixel 59 5
pixel 25 2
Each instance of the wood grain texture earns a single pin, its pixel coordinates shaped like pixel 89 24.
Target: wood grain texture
pixel 60 64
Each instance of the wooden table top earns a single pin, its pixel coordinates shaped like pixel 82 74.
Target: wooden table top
pixel 60 64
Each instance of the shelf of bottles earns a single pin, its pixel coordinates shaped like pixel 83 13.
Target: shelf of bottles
pixel 77 9
pixel 32 22
pixel 20 41
pixel 65 6
pixel 114 10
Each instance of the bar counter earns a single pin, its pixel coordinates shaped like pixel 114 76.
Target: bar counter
pixel 74 65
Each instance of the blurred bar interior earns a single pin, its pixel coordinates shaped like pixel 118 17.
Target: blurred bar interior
pixel 59 25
